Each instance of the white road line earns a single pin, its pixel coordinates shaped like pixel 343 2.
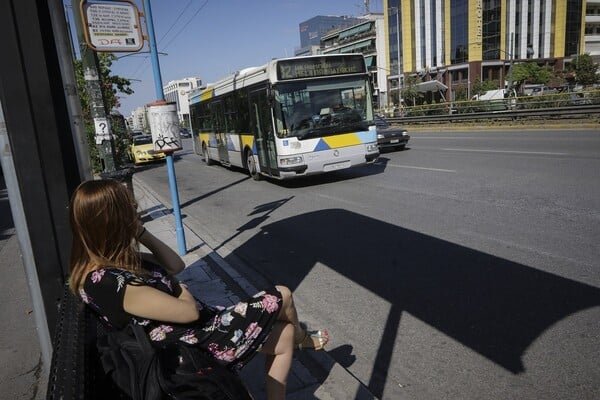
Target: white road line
pixel 427 169
pixel 510 152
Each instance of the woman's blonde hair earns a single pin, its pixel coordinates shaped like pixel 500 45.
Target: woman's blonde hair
pixel 105 224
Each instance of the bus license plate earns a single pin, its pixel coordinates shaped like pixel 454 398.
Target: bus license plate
pixel 336 166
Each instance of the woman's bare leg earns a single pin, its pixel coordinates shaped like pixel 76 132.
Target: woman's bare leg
pixel 279 349
pixel 289 314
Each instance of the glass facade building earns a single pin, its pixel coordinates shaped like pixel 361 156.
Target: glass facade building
pixel 461 41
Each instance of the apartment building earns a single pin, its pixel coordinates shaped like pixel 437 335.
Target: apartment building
pixel 177 92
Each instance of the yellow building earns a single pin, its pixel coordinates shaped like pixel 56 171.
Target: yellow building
pixel 458 42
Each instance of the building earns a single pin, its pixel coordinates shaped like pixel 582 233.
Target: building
pixel 592 29
pixel 312 30
pixel 138 121
pixel 457 42
pixel 177 92
pixel 367 37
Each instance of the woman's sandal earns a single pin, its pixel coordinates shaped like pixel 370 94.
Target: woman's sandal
pixel 322 337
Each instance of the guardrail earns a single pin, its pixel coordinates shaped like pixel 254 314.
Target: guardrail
pixel 556 112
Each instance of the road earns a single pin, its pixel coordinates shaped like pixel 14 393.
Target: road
pixel 464 267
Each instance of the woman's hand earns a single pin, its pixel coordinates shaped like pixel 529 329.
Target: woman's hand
pixel 163 254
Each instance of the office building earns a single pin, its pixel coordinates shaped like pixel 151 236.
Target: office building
pixel 457 42
pixel 366 37
pixel 312 30
pixel 592 29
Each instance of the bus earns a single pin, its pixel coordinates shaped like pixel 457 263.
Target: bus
pixel 291 117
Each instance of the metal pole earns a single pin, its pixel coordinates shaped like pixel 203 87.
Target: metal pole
pixel 510 68
pixel 169 155
pixel 65 58
pixel 28 258
pixel 398 51
pixel 89 60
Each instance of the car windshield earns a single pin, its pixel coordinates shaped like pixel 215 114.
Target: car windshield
pixel 142 140
pixel 322 108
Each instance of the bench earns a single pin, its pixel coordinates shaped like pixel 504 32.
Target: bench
pixel 75 371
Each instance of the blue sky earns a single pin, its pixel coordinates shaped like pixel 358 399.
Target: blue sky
pixel 212 38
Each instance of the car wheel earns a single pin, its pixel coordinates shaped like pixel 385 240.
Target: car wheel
pixel 251 165
pixel 207 159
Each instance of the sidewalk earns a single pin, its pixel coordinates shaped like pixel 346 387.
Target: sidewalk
pixel 314 375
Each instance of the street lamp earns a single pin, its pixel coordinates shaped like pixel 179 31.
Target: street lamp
pixel 511 57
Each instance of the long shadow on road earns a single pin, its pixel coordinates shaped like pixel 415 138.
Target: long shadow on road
pixel 494 306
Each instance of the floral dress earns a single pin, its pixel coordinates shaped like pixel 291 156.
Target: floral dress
pixel 231 335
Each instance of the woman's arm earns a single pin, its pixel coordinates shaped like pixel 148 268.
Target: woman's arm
pixel 165 256
pixel 151 303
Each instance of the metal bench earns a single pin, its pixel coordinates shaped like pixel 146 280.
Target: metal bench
pixel 75 371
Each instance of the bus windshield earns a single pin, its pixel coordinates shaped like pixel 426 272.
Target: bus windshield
pixel 318 108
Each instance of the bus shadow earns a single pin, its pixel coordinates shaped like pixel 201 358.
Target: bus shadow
pixel 493 306
pixel 362 171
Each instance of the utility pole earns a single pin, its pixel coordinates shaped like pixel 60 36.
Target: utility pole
pixel 511 57
pixel 89 60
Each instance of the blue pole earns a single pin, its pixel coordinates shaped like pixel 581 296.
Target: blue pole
pixel 160 96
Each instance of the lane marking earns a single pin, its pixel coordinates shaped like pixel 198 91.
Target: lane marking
pixel 426 169
pixel 547 153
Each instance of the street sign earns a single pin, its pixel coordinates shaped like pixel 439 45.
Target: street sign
pixel 112 26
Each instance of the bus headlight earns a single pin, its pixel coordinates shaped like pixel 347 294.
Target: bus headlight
pixel 291 160
pixel 371 147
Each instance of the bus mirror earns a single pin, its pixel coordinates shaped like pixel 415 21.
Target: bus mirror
pixel 270 95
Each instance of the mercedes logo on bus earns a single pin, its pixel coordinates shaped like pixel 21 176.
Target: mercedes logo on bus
pixel 336 153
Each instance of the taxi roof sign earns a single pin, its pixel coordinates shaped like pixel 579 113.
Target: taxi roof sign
pixel 111 26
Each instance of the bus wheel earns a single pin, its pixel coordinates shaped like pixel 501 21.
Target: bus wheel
pixel 251 165
pixel 207 159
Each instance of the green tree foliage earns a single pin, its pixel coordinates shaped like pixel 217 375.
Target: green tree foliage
pixel 531 72
pixel 111 86
pixel 480 87
pixel 584 69
pixel 410 93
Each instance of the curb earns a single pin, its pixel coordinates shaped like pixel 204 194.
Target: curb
pixel 335 382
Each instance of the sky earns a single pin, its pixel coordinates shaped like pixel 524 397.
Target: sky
pixel 210 39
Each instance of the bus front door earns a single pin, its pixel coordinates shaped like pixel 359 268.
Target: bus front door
pixel 262 126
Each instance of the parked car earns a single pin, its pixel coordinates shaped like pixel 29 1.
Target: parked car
pixel 185 133
pixel 142 150
pixel 388 136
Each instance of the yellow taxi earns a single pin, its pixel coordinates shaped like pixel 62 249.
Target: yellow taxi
pixel 142 150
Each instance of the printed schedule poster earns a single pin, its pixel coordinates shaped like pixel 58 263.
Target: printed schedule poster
pixel 112 26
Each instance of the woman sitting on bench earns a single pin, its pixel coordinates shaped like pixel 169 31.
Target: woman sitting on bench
pixel 110 275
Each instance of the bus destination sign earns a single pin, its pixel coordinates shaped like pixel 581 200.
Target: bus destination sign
pixel 317 67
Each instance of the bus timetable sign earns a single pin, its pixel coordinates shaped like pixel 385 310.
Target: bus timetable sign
pixel 316 67
pixel 111 25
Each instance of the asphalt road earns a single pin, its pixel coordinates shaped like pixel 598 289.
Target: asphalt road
pixel 464 267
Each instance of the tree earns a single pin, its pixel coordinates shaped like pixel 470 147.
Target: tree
pixel 531 72
pixel 584 69
pixel 480 87
pixel 111 86
pixel 410 91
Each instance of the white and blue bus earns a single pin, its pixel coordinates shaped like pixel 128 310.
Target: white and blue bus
pixel 291 117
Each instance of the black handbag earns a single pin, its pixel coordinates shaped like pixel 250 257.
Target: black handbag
pixel 176 371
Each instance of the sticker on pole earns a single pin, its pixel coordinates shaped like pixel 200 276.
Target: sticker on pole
pixel 102 130
pixel 164 126
pixel 112 25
